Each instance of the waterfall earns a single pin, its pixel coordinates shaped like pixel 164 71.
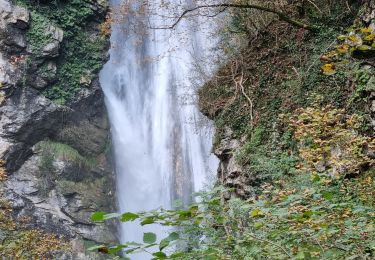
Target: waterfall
pixel 161 150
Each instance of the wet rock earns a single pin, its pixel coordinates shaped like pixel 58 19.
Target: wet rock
pixel 66 202
pixel 230 173
pixel 99 6
pixel 44 76
pixel 51 50
pixel 56 33
pixel 28 116
pixel 15 39
pixel 13 21
pixel 20 17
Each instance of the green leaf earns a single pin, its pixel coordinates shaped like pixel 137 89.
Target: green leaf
pixel 160 255
pixel 147 221
pixel 193 208
pixel 98 216
pixel 149 238
pixel 129 251
pixel 173 236
pixel 258 225
pixel 308 214
pixel 128 216
pixel 316 178
pixel 214 202
pixel 115 249
pixel 256 213
pixel 94 248
pixel 177 255
pixel 184 214
pixel 327 195
pixel 166 241
pixel 303 255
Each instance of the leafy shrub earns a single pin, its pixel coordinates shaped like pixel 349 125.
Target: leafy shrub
pixel 294 218
pixel 330 142
pixel 31 244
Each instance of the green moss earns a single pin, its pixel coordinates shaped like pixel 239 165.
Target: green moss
pixel 47 72
pixel 37 35
pixel 52 150
pixel 82 58
pixel 91 191
pixel 81 52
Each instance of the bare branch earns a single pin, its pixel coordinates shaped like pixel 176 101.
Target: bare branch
pixel 281 15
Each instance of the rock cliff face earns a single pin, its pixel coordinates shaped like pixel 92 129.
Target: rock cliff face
pixel 230 172
pixel 56 155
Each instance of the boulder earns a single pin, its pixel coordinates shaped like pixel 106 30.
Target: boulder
pixel 51 50
pixel 20 17
pixel 13 21
pixel 56 33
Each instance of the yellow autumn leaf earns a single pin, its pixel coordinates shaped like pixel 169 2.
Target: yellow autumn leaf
pixel 328 69
pixel 370 37
pixel 366 30
pixel 343 48
pixel 354 38
pixel 256 213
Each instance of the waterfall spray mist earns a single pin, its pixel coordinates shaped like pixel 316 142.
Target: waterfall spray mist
pixel 161 152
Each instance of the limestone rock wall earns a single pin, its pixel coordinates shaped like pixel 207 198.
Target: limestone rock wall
pixel 57 156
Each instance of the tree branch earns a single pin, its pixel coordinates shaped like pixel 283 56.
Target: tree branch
pixel 281 15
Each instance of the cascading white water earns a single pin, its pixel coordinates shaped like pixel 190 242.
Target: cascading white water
pixel 161 151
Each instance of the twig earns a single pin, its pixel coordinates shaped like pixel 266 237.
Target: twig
pixel 281 15
pixel 316 7
pixel 270 242
pixel 248 99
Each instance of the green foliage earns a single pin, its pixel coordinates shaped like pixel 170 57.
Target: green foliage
pixel 37 36
pixel 329 142
pixel 149 238
pixel 31 244
pixel 74 73
pixel 296 217
pixel 365 79
pixel 331 13
pixel 82 52
pixel 71 16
